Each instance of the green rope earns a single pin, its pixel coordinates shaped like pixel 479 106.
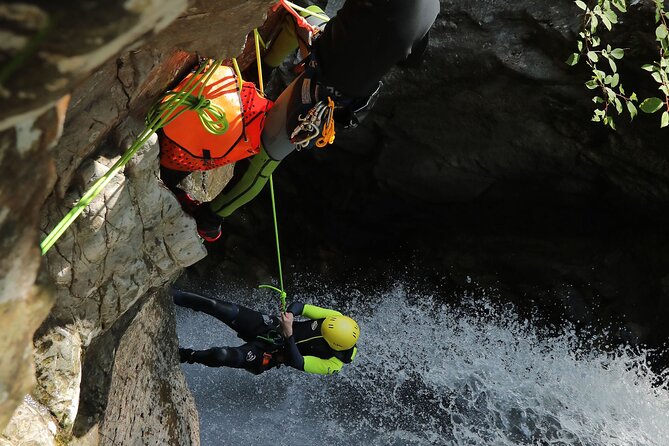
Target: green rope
pixel 281 291
pixel 161 114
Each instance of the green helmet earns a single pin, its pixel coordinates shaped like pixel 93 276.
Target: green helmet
pixel 340 332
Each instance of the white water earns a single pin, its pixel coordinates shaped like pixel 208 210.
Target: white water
pixel 428 374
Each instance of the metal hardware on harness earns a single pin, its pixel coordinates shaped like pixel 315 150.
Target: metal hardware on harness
pixel 320 115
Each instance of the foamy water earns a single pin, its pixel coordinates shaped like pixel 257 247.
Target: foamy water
pixel 430 374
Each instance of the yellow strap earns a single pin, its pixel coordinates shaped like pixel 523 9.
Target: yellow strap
pixel 328 133
pixel 238 73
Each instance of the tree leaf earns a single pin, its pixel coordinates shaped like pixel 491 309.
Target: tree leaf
pixel 657 77
pixel 573 59
pixel 614 67
pixel 581 5
pixel 611 15
pixel 665 119
pixel 593 23
pixel 591 84
pixel 648 67
pixel 651 105
pixel 606 22
pixel 619 106
pixel 593 56
pixel 618 53
pixel 632 109
pixel 661 32
pixel 614 80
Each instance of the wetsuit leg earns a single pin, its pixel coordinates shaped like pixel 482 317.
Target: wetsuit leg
pixel 246 322
pixel 248 356
pixel 249 185
pixel 223 311
pixel 276 144
pixel 366 38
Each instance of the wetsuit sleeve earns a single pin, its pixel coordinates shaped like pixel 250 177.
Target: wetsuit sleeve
pixel 309 364
pixel 320 366
pixel 295 308
pixel 314 312
pixel 293 356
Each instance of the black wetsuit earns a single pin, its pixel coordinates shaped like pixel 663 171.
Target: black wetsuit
pixel 264 346
pixel 367 37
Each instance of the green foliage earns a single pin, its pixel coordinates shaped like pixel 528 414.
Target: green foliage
pixel 602 59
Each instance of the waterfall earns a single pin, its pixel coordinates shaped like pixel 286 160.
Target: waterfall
pixel 429 373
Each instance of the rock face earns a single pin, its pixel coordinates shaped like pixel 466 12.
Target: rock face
pixel 85 263
pixel 77 83
pixel 31 425
pixel 133 371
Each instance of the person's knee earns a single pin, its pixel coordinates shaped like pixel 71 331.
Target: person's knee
pixel 226 310
pixel 226 357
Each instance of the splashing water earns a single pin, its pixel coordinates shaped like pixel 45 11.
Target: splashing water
pixel 430 374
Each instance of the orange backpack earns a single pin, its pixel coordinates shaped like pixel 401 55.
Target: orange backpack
pixel 186 145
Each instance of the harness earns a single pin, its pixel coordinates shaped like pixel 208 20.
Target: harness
pixel 323 106
pixel 309 342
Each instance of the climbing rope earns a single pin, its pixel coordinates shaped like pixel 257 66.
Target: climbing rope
pixel 281 291
pixel 169 107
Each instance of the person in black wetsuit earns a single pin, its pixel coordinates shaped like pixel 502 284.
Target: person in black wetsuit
pixel 320 345
pixel 354 51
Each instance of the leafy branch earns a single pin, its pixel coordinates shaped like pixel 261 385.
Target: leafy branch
pixel 611 94
pixel 611 91
pixel 659 70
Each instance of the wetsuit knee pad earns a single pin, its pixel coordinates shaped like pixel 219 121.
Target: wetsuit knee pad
pixel 227 357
